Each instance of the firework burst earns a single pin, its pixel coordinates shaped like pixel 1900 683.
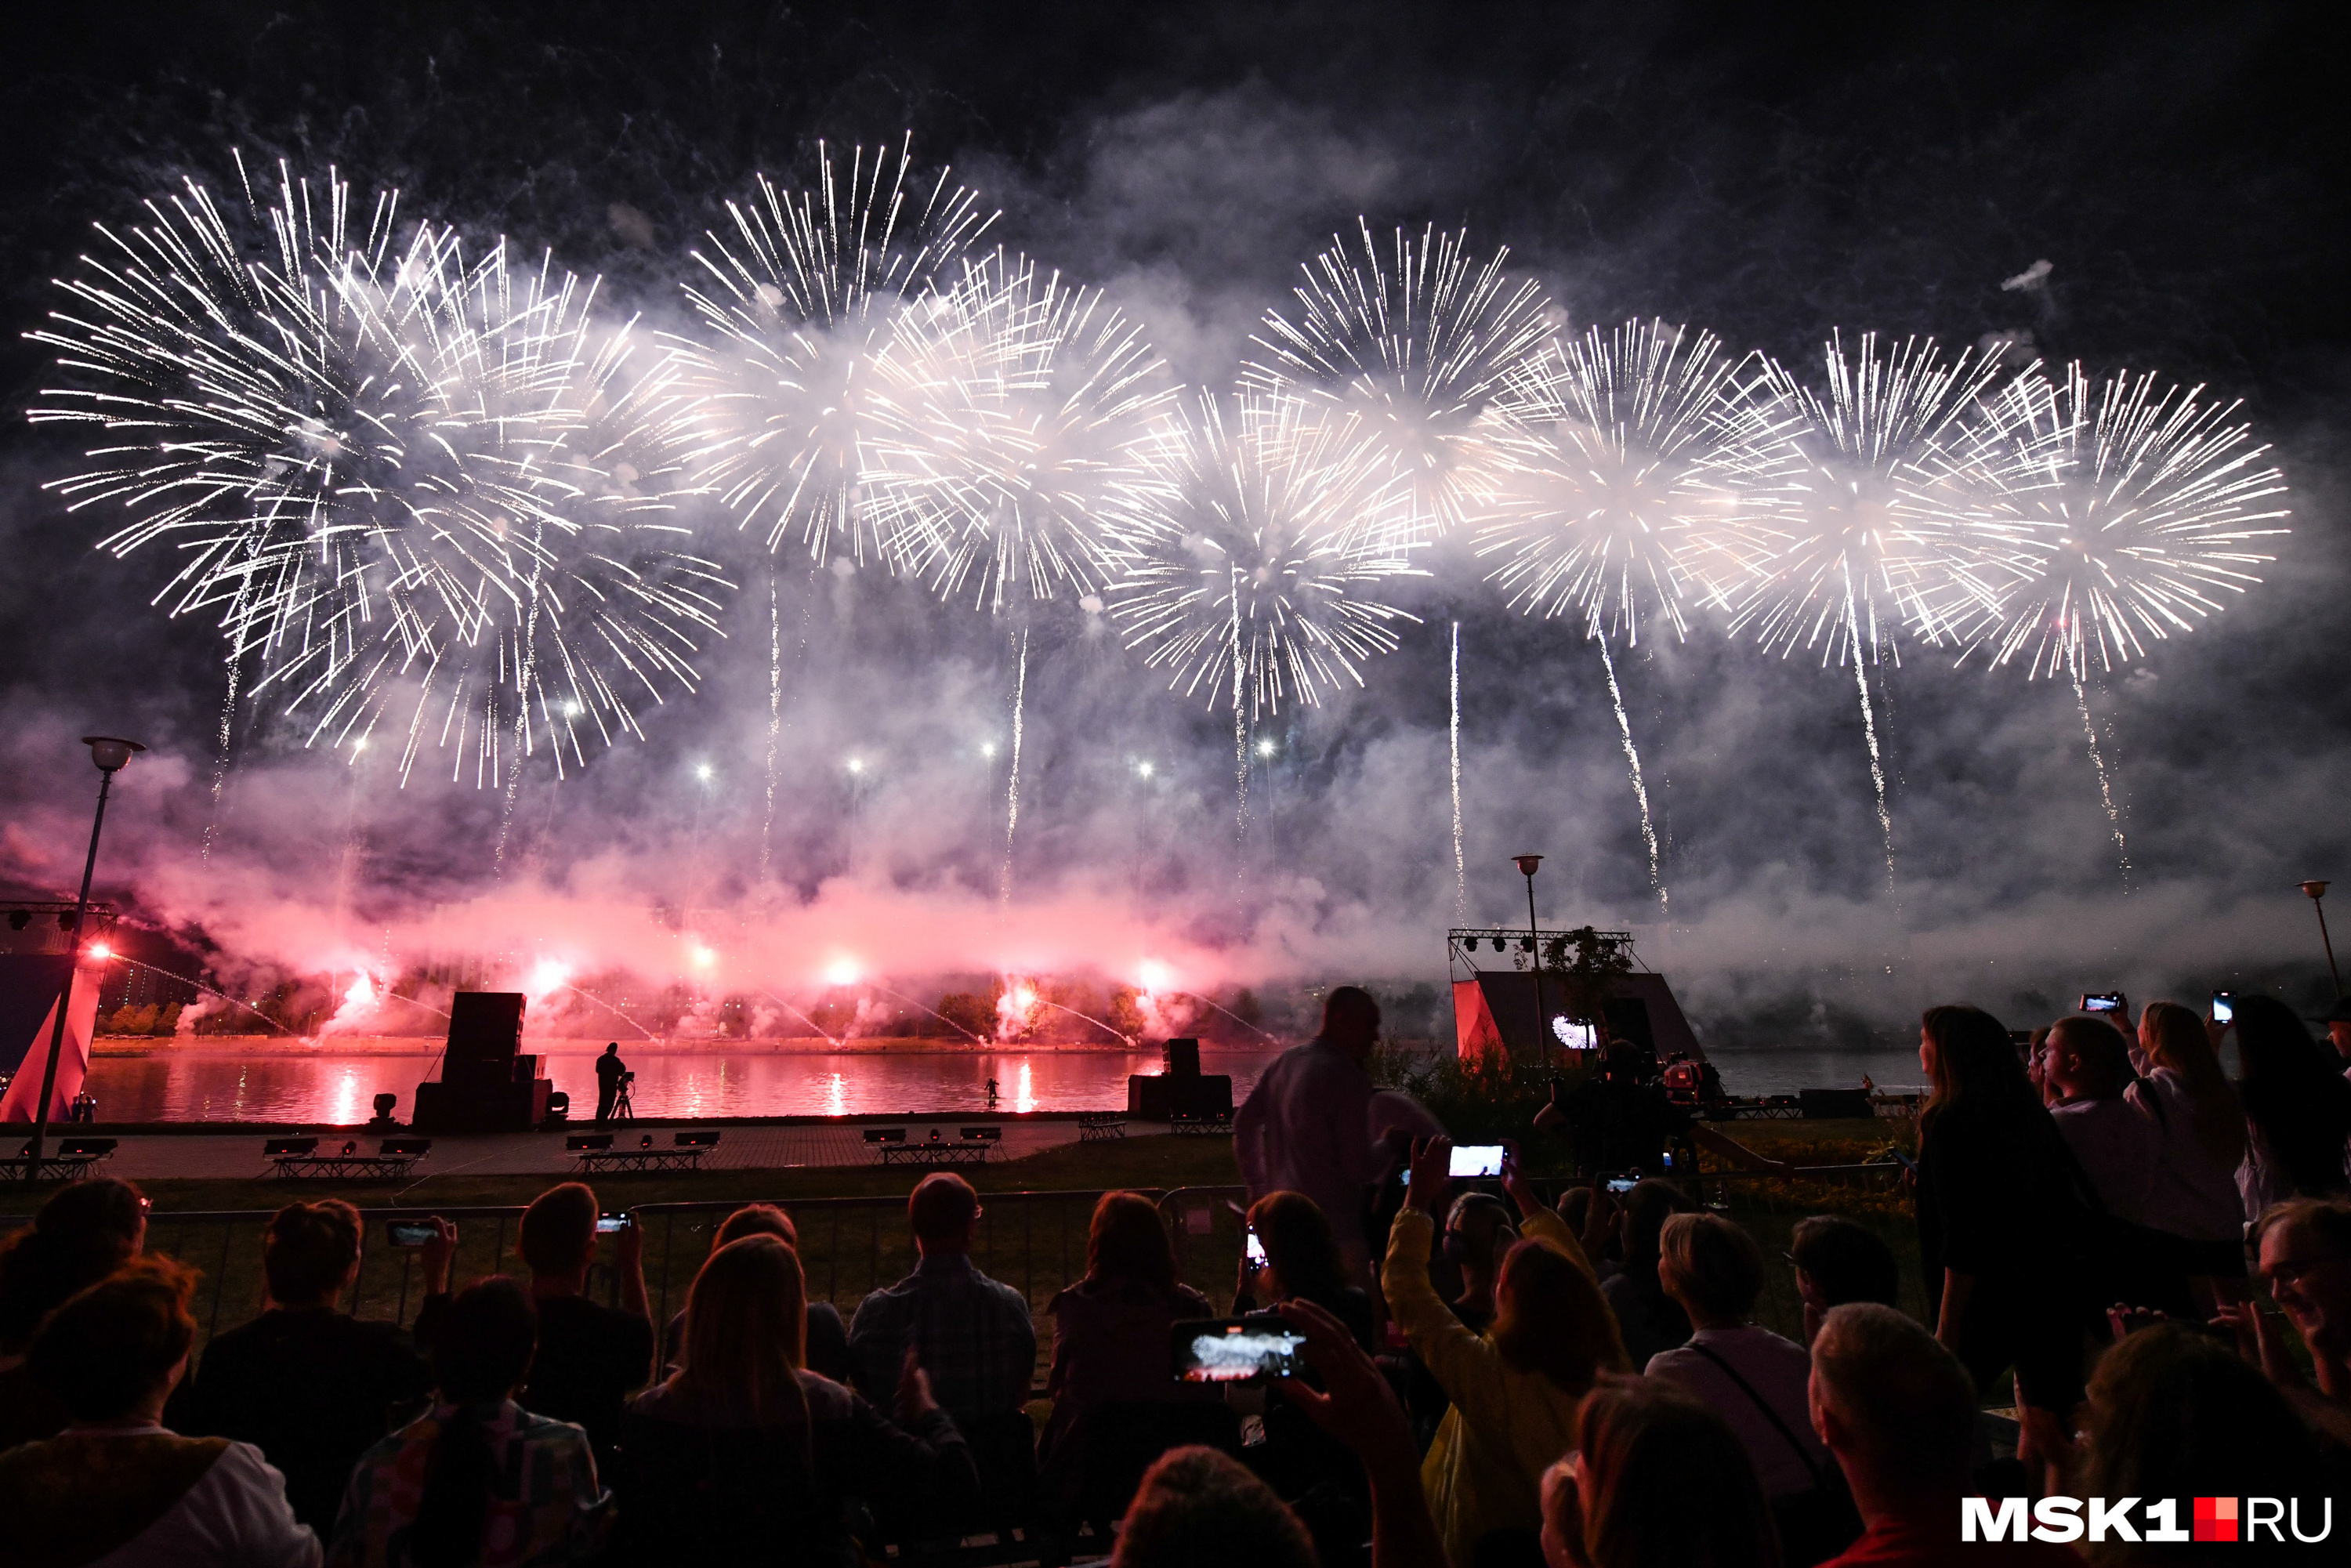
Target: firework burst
pixel 2131 510
pixel 1854 556
pixel 1419 345
pixel 1016 429
pixel 1253 584
pixel 780 392
pixel 385 468
pixel 1613 507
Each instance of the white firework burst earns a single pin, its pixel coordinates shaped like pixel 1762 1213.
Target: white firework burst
pixel 1614 507
pixel 779 393
pixel 1254 586
pixel 386 469
pixel 1017 424
pixel 1419 345
pixel 2131 509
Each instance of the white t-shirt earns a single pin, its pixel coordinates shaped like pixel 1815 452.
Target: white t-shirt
pixel 2116 1145
pixel 236 1516
pixel 1778 1369
pixel 2194 1195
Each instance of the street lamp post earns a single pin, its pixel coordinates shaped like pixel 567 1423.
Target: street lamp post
pixel 110 754
pixel 2317 891
pixel 1527 865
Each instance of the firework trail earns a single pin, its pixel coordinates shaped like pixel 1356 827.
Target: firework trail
pixel 2126 509
pixel 2105 784
pixel 1615 504
pixel 1013 788
pixel 778 394
pixel 1461 864
pixel 1015 424
pixel 1279 520
pixel 386 469
pixel 1855 556
pixel 1419 345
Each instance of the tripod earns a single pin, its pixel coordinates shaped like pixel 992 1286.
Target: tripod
pixel 622 1111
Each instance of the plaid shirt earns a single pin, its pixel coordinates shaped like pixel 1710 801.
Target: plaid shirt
pixel 545 1505
pixel 973 1334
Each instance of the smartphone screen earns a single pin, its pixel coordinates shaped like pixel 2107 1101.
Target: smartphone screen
pixel 2224 1007
pixel 607 1223
pixel 1623 1183
pixel 1475 1160
pixel 409 1232
pixel 2103 1002
pixel 1236 1350
pixel 1256 1250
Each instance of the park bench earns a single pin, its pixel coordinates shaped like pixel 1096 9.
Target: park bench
pixel 1101 1126
pixel 298 1159
pixel 1190 1124
pixel 968 1149
pixel 594 1152
pixel 75 1158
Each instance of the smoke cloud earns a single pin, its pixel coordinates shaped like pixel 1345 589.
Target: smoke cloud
pixel 883 855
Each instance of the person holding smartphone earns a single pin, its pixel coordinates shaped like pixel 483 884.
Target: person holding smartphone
pixel 590 1357
pixel 1517 1386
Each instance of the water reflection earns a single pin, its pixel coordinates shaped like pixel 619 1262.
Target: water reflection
pixel 338 1089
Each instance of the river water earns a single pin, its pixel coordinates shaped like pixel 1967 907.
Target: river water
pixel 338 1089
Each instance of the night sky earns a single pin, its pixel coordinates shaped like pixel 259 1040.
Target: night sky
pixel 1767 175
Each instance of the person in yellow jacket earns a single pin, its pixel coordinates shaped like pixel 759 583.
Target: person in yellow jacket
pixel 1517 1387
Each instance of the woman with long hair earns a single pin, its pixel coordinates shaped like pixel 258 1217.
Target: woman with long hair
pixel 1517 1387
pixel 476 1469
pixel 744 1453
pixel 1656 1480
pixel 1110 1333
pixel 2297 1105
pixel 1999 1215
pixel 80 1236
pixel 1302 1262
pixel 2200 1126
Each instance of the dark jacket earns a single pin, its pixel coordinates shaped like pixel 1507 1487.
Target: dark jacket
pixel 693 1488
pixel 313 1390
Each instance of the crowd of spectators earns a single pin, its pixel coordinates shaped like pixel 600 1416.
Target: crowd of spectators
pixel 2136 1273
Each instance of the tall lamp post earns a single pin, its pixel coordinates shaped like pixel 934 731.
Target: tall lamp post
pixel 1527 865
pixel 110 754
pixel 2317 891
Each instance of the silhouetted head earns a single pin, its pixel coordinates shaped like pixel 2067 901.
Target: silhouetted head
pixel 1351 1020
pixel 941 1213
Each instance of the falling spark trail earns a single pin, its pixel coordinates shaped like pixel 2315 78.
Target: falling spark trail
pixel 166 973
pixel 614 1012
pixel 2105 789
pixel 1240 739
pixel 1226 1010
pixel 774 723
pixel 220 765
pixel 977 1039
pixel 1012 790
pixel 1460 865
pixel 803 1016
pixel 1877 762
pixel 1640 787
pixel 1089 1017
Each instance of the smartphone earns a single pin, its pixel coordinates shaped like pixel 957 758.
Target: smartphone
pixel 410 1232
pixel 1255 1250
pixel 2224 1007
pixel 1623 1183
pixel 1907 1161
pixel 607 1223
pixel 2102 1002
pixel 1475 1160
pixel 1236 1350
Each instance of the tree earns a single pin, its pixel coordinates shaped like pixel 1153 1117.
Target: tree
pixel 1600 957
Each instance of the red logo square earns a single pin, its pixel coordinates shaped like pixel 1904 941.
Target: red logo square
pixel 2216 1518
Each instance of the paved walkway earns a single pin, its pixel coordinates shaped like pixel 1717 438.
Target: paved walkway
pixel 198 1155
